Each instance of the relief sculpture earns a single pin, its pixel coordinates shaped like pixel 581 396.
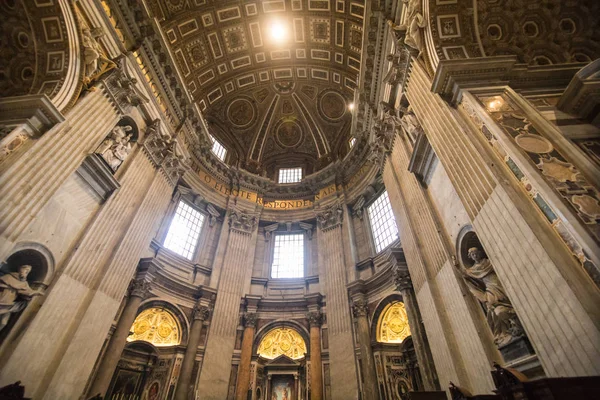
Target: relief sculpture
pixel 116 147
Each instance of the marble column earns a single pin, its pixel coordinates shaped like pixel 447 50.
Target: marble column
pixel 138 290
pixel 417 330
pixel 361 311
pixel 315 319
pixel 243 378
pixel 201 313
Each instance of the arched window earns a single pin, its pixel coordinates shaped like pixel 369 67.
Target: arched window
pixel 282 341
pixel 392 326
pixel 157 326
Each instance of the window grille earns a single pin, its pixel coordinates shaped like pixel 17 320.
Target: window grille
pixel 184 231
pixel 288 256
pixel 290 175
pixel 383 223
pixel 218 149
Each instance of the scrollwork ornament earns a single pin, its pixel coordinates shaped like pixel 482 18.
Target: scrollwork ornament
pixel 250 319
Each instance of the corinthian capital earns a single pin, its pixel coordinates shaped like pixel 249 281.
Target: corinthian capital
pixel 242 222
pixel 139 288
pixel 360 308
pixel 330 218
pixel 402 279
pixel 315 318
pixel 250 320
pixel 201 313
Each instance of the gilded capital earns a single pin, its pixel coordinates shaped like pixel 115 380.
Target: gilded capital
pixel 315 318
pixel 360 308
pixel 250 320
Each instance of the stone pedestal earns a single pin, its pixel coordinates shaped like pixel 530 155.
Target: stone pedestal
pixel 316 368
pixel 361 311
pixel 243 378
pixel 138 290
pixel 185 375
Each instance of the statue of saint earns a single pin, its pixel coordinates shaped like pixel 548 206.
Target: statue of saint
pixel 116 147
pixel 96 63
pixel 15 293
pixel 484 284
pixel 415 23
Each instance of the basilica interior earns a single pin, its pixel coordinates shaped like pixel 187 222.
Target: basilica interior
pixel 299 199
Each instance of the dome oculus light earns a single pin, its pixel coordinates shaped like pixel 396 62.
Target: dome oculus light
pixel 278 31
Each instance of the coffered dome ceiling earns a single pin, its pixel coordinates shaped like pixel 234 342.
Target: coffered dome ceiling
pixel 273 78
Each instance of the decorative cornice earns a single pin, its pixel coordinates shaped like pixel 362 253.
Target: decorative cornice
pixel 242 222
pixel 331 218
pixel 121 87
pixel 269 229
pixel 308 228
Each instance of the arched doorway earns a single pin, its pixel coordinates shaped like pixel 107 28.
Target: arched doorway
pixel 150 363
pixel 280 364
pixel 394 353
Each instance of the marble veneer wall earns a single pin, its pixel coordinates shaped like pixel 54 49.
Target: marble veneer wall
pixel 552 296
pixel 87 293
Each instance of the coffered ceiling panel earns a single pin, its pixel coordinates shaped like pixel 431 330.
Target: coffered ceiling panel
pixel 273 78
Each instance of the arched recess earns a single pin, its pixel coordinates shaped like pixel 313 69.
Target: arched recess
pixel 39 278
pixel 41 49
pixel 379 310
pixel 262 332
pixel 174 311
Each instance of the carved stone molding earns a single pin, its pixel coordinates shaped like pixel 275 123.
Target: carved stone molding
pixel 315 318
pixel 360 308
pixel 157 142
pixel 242 222
pixel 139 288
pixel 331 218
pixel 269 229
pixel 121 88
pixel 213 214
pixel 250 319
pixel 308 228
pixel 201 313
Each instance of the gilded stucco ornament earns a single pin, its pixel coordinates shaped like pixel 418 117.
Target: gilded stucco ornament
pixel 96 63
pixel 392 326
pixel 15 293
pixel 482 281
pixel 282 341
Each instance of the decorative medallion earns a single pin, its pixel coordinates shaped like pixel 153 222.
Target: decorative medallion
pixel 241 112
pixel 282 341
pixel 288 133
pixel 534 143
pixel 332 105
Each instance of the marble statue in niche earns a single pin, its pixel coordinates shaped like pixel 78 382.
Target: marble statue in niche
pixel 482 281
pixel 15 293
pixel 116 147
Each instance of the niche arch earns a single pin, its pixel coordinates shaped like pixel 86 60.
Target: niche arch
pixel 382 311
pixel 265 330
pixel 174 311
pixel 38 256
pixel 467 238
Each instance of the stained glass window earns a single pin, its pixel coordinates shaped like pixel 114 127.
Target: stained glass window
pixel 288 256
pixel 383 223
pixel 157 326
pixel 184 231
pixel 282 341
pixel 392 326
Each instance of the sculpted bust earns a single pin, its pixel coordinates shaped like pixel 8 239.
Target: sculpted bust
pixel 484 284
pixel 15 293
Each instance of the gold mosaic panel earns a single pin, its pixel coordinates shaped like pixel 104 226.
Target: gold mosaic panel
pixel 282 341
pixel 392 326
pixel 156 326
